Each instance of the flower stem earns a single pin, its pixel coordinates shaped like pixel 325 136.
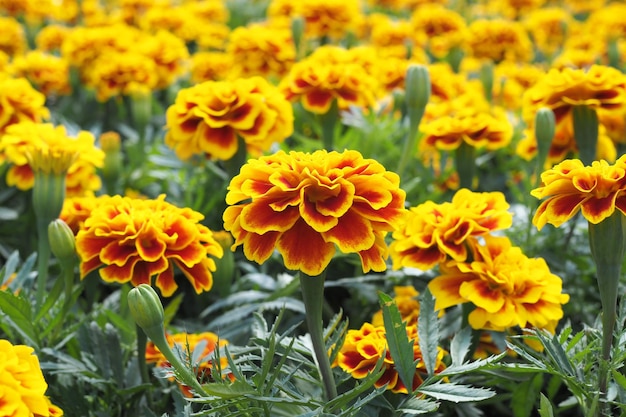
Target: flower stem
pixel 608 244
pixel 586 132
pixel 328 122
pixel 465 164
pixel 43 259
pixel 313 298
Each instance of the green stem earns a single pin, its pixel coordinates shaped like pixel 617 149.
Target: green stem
pixel 608 244
pixel 465 164
pixel 585 121
pixel 142 342
pixel 313 298
pixel 328 122
pixel 43 259
pixel 410 142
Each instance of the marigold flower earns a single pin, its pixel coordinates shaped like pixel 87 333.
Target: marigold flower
pixel 329 73
pixel 83 157
pixel 210 66
pixel 122 74
pixel 438 29
pixel 477 129
pixel 391 37
pixel 20 102
pixel 431 233
pixel 135 240
pixel 499 40
pixel 51 37
pixel 548 28
pixel 304 204
pixel 208 117
pixel 77 209
pixel 12 36
pixel 169 54
pixel 363 348
pixel 507 288
pixel 22 385
pixel 600 87
pixel 188 343
pixel 596 190
pixel 511 80
pixel 49 73
pixel 261 50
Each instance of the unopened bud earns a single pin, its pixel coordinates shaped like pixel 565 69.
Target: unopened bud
pixel 62 241
pixel 545 125
pixel 417 86
pixel 147 310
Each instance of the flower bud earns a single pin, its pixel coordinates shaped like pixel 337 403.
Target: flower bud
pixel 545 124
pixel 147 310
pixel 418 87
pixel 297 33
pixel 62 242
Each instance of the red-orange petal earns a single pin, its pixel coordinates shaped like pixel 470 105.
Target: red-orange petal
pixel 304 249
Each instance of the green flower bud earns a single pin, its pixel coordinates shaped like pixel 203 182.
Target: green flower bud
pixel 62 242
pixel 147 310
pixel 417 86
pixel 545 125
pixel 586 127
pixel 297 32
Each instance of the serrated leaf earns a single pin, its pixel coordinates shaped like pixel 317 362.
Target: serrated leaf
pixel 460 346
pixel 400 347
pixel 9 267
pixel 18 311
pixel 416 405
pixel 619 378
pixel 456 392
pixel 471 366
pixel 525 395
pixel 545 408
pixel 226 391
pixel 428 331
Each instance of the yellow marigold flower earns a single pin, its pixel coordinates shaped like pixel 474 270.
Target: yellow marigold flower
pixel 584 6
pixel 476 128
pixel 261 50
pixel 307 205
pixel 178 20
pixel 12 36
pixel 53 410
pixel 213 36
pixel 187 343
pixel 600 87
pixel 49 73
pixel 322 18
pixel 134 240
pixel 209 10
pixel 499 40
pixel 122 74
pixel 329 73
pixel 507 288
pixel 210 66
pixel 548 28
pixel 363 347
pixel 406 300
pixel 596 190
pixel 51 37
pixel 431 233
pixel 207 118
pixel 516 9
pixel 607 22
pixel 20 102
pixel 21 139
pixel 169 54
pixel 22 385
pixel 391 37
pixel 438 29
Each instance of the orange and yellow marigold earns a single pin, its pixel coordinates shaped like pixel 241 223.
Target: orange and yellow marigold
pixel 307 204
pixel 134 240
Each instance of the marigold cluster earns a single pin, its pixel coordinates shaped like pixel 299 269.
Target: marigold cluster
pixel 499 40
pixel 431 233
pixel 438 29
pixel 134 240
pixel 49 73
pixel 307 205
pixel 208 118
pixel 362 348
pixel 20 102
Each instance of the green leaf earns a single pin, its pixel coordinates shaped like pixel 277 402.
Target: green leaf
pixel 471 366
pixel 525 395
pixel 235 389
pixel 460 346
pixel 545 408
pixel 9 267
pixel 619 378
pixel 456 392
pixel 428 331
pixel 400 347
pixel 18 312
pixel 416 405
